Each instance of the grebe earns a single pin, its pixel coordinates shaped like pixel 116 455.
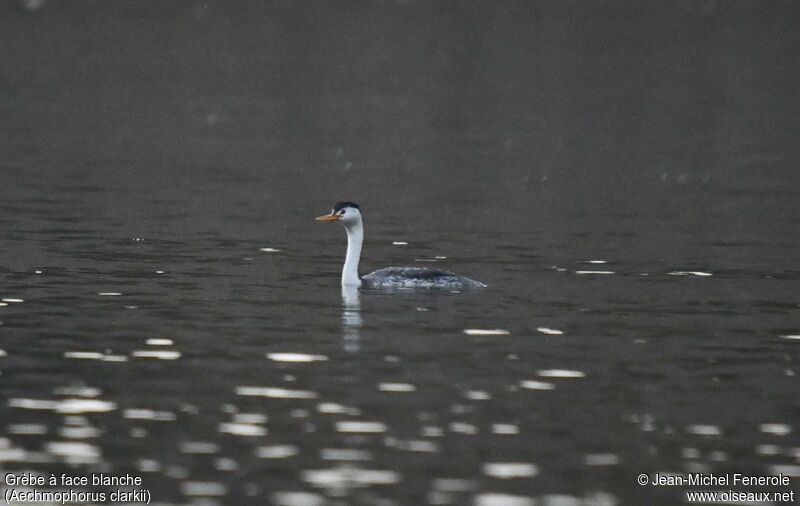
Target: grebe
pixel 349 215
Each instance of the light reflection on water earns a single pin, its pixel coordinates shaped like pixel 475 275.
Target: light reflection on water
pixel 351 319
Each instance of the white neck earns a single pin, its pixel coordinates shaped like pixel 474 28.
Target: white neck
pixel 355 236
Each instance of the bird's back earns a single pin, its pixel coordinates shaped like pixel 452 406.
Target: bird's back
pixel 417 277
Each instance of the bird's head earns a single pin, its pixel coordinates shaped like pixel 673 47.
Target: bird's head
pixel 347 213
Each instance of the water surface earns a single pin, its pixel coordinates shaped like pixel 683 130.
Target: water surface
pixel 622 176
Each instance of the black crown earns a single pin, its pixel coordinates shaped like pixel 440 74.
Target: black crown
pixel 340 205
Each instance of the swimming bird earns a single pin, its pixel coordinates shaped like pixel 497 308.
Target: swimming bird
pixel 349 215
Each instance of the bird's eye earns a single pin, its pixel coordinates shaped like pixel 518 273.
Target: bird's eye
pixel 341 213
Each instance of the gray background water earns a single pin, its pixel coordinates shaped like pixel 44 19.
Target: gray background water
pixel 151 149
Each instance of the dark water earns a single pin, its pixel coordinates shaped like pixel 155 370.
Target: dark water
pixel 150 150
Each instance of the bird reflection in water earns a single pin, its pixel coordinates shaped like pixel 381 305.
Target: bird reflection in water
pixel 351 318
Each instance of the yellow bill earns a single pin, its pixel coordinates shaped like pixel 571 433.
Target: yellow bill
pixel 327 217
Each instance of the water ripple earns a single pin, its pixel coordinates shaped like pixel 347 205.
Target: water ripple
pixel 493 499
pixel 486 332
pixel 66 406
pixel 296 357
pixel 275 392
pixel 360 426
pixel 347 477
pixel 508 470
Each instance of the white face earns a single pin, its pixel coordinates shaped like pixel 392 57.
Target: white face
pixel 349 215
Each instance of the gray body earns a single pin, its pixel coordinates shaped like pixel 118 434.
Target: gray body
pixel 417 277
